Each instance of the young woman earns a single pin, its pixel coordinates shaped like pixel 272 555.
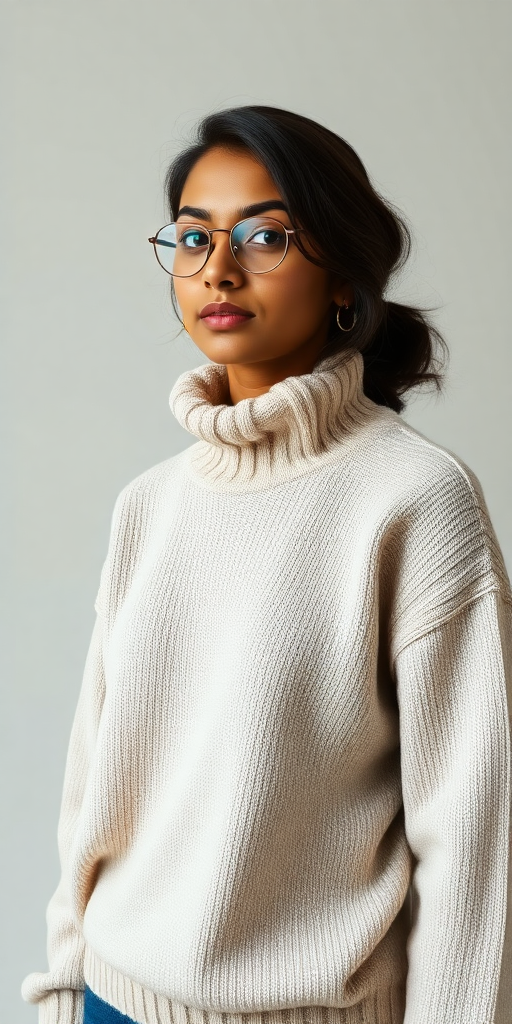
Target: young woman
pixel 287 791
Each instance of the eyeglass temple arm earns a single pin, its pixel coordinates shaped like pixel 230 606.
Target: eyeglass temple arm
pixel 161 241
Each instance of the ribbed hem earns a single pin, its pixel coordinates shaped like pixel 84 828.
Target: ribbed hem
pixel 64 1006
pixel 145 1007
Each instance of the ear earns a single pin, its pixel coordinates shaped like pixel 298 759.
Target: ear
pixel 343 294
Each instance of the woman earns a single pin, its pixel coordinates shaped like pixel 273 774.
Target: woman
pixel 295 707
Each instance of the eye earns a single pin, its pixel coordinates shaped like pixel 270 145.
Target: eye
pixel 193 238
pixel 266 237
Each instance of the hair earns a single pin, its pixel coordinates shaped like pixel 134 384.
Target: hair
pixel 352 230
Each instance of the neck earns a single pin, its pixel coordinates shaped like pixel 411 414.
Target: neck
pixel 249 380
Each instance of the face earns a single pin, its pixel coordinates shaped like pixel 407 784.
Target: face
pixel 291 305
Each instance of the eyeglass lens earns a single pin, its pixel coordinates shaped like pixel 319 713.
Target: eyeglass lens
pixel 258 245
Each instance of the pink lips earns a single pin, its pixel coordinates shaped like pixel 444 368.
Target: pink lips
pixel 216 308
pixel 223 315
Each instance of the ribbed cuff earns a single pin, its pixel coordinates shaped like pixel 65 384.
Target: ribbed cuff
pixel 65 1006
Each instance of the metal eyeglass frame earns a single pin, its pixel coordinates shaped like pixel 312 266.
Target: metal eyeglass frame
pixel 228 231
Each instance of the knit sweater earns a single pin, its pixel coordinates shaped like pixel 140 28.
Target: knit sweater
pixel 287 791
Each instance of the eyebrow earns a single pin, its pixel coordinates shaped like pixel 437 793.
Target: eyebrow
pixel 243 211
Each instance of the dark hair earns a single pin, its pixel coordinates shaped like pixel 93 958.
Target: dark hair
pixel 363 238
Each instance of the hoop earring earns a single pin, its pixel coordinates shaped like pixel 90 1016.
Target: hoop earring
pixel 345 329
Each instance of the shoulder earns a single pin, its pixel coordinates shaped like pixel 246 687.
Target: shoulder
pixel 446 495
pixel 141 502
pixel 136 513
pixel 149 485
pixel 442 548
pixel 419 470
pixel 416 486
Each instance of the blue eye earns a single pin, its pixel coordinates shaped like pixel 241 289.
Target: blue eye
pixel 194 239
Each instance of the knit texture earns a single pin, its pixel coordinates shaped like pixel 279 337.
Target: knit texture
pixel 287 791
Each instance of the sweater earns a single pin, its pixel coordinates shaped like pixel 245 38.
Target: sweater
pixel 287 791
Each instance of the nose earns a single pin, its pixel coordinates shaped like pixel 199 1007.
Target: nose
pixel 221 269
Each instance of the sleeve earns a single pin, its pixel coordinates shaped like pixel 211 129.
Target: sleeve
pixel 60 992
pixel 454 689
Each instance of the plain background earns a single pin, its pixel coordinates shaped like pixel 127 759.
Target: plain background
pixel 99 96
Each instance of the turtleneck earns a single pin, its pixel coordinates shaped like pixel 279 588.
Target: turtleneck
pixel 296 425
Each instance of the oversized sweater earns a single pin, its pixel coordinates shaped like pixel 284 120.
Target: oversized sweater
pixel 287 791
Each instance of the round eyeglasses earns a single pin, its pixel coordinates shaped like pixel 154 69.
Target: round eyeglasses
pixel 258 244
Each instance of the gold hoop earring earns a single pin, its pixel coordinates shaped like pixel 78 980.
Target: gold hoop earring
pixel 345 329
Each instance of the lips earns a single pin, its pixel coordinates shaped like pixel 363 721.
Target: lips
pixel 217 308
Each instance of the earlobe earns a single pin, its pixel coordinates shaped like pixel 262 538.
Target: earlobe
pixel 344 296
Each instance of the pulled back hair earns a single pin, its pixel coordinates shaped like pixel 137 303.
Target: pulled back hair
pixel 354 232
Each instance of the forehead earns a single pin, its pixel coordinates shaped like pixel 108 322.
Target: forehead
pixel 222 180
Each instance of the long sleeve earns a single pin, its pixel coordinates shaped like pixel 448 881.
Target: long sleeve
pixel 454 688
pixel 60 991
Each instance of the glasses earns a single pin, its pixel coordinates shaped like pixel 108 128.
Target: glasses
pixel 258 244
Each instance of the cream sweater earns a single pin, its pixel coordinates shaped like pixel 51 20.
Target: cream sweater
pixel 295 705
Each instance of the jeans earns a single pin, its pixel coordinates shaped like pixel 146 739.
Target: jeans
pixel 97 1011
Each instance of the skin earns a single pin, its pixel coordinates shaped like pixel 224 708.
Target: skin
pixel 292 304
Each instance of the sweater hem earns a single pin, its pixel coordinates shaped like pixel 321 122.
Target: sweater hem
pixel 387 1006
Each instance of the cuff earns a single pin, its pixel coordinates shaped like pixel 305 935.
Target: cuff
pixel 64 1006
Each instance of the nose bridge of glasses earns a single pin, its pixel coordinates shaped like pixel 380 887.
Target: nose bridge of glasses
pixel 224 231
pixel 228 249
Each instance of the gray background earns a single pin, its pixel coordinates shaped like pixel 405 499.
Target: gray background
pixel 99 96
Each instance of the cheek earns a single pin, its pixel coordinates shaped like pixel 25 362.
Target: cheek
pixel 183 293
pixel 298 290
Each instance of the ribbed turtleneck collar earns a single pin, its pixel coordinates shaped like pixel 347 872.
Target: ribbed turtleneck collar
pixel 259 442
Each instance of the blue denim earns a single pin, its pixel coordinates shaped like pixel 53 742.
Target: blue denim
pixel 97 1011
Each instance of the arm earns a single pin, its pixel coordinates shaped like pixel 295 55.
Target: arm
pixel 60 991
pixel 454 687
